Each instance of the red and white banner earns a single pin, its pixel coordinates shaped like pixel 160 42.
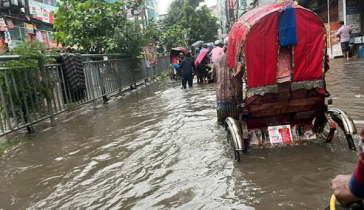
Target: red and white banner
pixel 42 14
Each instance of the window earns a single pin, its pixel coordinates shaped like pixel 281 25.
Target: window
pixel 151 14
pixel 15 34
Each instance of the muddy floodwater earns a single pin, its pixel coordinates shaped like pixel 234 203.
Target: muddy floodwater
pixel 159 147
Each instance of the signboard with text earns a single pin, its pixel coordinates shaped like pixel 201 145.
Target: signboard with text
pixel 43 12
pixel 353 15
pixel 280 134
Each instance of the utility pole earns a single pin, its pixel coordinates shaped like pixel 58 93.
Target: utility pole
pixel 329 24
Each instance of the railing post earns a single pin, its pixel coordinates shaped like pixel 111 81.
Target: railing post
pixel 49 100
pixel 91 79
pixel 133 72
pixel 153 69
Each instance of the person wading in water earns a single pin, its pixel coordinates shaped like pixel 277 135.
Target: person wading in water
pixel 188 69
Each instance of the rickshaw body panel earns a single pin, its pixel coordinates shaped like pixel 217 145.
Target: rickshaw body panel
pixel 279 94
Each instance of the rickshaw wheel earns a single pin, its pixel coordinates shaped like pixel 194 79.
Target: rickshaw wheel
pixel 230 141
pixel 340 132
pixel 234 137
pixel 170 74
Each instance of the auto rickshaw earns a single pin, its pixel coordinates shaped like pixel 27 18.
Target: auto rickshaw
pixel 175 72
pixel 278 53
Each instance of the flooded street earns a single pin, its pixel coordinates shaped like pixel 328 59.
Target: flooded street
pixel 159 147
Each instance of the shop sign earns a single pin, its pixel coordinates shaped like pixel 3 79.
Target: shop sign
pixel 55 45
pixel 45 39
pixel 334 28
pixel 353 15
pixel 313 5
pixel 230 4
pixel 38 36
pixel 357 40
pixel 2 45
pixel 7 37
pixel 10 23
pixel 352 7
pixel 29 28
pixel 3 26
pixel 32 37
pixel 42 12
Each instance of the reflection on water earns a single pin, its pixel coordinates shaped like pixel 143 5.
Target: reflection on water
pixel 160 148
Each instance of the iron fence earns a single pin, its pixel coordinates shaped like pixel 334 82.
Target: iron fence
pixel 32 95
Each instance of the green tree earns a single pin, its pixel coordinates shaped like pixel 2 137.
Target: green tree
pixel 91 26
pixel 174 37
pixel 174 14
pixel 187 14
pixel 130 37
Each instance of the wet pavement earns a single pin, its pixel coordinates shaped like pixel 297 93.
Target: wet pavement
pixel 160 148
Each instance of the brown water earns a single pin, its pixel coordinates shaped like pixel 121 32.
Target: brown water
pixel 160 148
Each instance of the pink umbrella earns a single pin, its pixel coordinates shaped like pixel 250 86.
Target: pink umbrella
pixel 201 57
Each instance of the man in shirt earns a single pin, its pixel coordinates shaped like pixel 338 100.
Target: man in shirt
pixel 349 188
pixel 344 34
pixel 217 52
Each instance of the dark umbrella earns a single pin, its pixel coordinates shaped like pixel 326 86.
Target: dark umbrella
pixel 197 44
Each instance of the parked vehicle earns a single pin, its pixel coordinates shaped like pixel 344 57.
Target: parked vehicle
pixel 175 71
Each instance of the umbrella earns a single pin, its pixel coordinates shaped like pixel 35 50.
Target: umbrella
pixel 200 58
pixel 197 44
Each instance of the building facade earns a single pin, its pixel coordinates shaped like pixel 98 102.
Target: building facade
pixel 149 12
pixel 332 12
pixel 25 20
pixel 152 10
pixel 230 11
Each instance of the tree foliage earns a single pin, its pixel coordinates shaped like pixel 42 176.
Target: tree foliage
pixel 129 38
pixel 174 14
pixel 97 26
pixel 174 37
pixel 20 83
pixel 188 15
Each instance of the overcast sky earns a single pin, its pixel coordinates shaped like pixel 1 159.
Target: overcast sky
pixel 164 4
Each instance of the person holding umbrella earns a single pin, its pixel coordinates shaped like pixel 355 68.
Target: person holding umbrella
pixel 188 68
pixel 200 62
